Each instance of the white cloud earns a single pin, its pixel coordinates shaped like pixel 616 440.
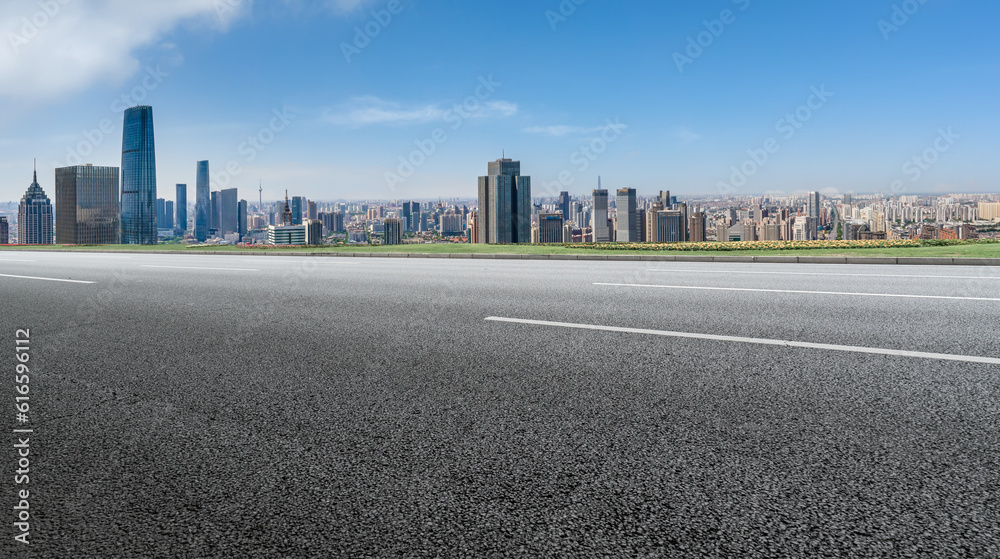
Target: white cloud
pixel 370 110
pixel 687 136
pixel 56 47
pixel 562 130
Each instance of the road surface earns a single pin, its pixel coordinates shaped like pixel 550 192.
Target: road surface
pixel 225 405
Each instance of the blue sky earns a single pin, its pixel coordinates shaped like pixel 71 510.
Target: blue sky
pixel 573 89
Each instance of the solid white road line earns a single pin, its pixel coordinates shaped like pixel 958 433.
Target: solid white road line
pixel 46 279
pixel 824 274
pixel 14 260
pixel 200 268
pixel 758 341
pixel 802 292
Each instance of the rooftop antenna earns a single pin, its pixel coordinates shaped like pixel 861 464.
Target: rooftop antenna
pixel 598 182
pixel 34 165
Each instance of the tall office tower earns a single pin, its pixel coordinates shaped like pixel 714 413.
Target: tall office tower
pixel 161 205
pixel 168 214
pixel 625 205
pixel 202 203
pixel 34 216
pixel 241 219
pixel 215 223
pixel 686 211
pixel 649 224
pixel 407 218
pixel 138 200
pixel 393 231
pixel 665 200
pixel 312 209
pixel 722 231
pixel 698 228
pixel 504 204
pixel 87 209
pixel 181 221
pixel 416 216
pixel 550 228
pixel 4 231
pixel 670 226
pixel 473 226
pixel 564 206
pixel 640 224
pixel 847 198
pixel 298 207
pixel 814 209
pixel 229 205
pixel 602 231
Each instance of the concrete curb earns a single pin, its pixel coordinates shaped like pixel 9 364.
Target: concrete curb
pixel 617 257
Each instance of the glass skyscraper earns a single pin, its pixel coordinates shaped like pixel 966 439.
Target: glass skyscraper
pixel 87 205
pixel 138 200
pixel 34 216
pixel 181 221
pixel 627 229
pixel 202 202
pixel 600 227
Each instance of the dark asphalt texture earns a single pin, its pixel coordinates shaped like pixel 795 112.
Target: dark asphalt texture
pixel 324 407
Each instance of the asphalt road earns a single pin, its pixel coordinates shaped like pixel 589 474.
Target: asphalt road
pixel 242 406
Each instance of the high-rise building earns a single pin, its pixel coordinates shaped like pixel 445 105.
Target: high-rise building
pixel 216 222
pixel 698 227
pixel 181 221
pixel 138 184
pixel 564 203
pixel 4 231
pixel 393 231
pixel 670 226
pixel 665 201
pixel 504 204
pixel 813 212
pixel 298 204
pixel 314 231
pixel 627 226
pixel 202 204
pixel 241 219
pixel 229 205
pixel 600 223
pixel 168 214
pixel 87 209
pixel 550 228
pixel 161 208
pixel 416 216
pixel 313 214
pixel 34 216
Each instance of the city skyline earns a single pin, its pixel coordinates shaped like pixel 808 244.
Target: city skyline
pixel 845 121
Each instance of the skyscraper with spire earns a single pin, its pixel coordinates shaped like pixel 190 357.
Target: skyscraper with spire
pixel 34 216
pixel 601 227
pixel 138 200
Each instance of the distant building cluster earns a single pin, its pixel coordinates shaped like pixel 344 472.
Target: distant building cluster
pixel 107 205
